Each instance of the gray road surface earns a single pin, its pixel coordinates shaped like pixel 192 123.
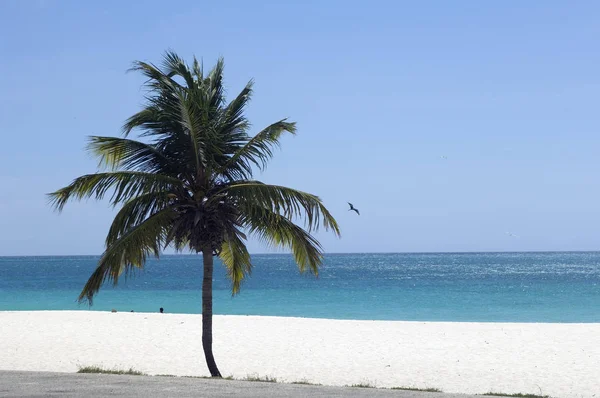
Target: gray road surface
pixel 44 384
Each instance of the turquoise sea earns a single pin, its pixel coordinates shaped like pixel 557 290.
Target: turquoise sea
pixel 507 287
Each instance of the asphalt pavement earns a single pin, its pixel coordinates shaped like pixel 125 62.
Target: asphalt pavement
pixel 46 384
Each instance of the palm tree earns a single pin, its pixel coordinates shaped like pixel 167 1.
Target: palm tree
pixel 187 183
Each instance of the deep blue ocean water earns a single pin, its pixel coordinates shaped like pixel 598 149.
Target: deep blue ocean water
pixel 497 287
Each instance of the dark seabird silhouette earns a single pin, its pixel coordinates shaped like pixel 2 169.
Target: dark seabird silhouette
pixel 352 208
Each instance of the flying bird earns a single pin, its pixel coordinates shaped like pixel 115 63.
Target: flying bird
pixel 511 234
pixel 444 157
pixel 353 208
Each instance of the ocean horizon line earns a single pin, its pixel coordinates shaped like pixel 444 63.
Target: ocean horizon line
pixel 325 254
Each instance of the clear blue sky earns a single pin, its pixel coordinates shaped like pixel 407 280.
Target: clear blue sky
pixel 508 91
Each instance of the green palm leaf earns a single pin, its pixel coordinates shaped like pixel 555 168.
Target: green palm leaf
pixel 128 251
pixel 136 211
pixel 259 149
pixel 121 153
pixel 191 123
pixel 125 185
pixel 289 202
pixel 277 231
pixel 174 65
pixel 236 259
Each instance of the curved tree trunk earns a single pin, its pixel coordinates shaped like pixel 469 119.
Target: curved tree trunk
pixel 207 259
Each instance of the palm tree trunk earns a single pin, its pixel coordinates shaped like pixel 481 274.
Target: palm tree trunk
pixel 207 259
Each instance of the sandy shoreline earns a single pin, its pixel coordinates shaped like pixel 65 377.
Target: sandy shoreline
pixel 561 360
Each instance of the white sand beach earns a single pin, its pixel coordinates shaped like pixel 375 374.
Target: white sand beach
pixel 560 360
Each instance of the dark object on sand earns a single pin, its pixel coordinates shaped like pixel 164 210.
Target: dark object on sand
pixel 113 310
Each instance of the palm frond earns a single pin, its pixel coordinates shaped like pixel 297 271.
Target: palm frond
pixel 191 121
pixel 232 124
pixel 288 202
pixel 150 118
pixel 230 127
pixel 129 251
pixel 277 231
pixel 234 111
pixel 125 185
pixel 174 65
pixel 259 149
pixel 136 211
pixel 115 153
pixel 198 70
pixel 161 114
pixel 157 79
pixel 236 259
pixel 215 85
